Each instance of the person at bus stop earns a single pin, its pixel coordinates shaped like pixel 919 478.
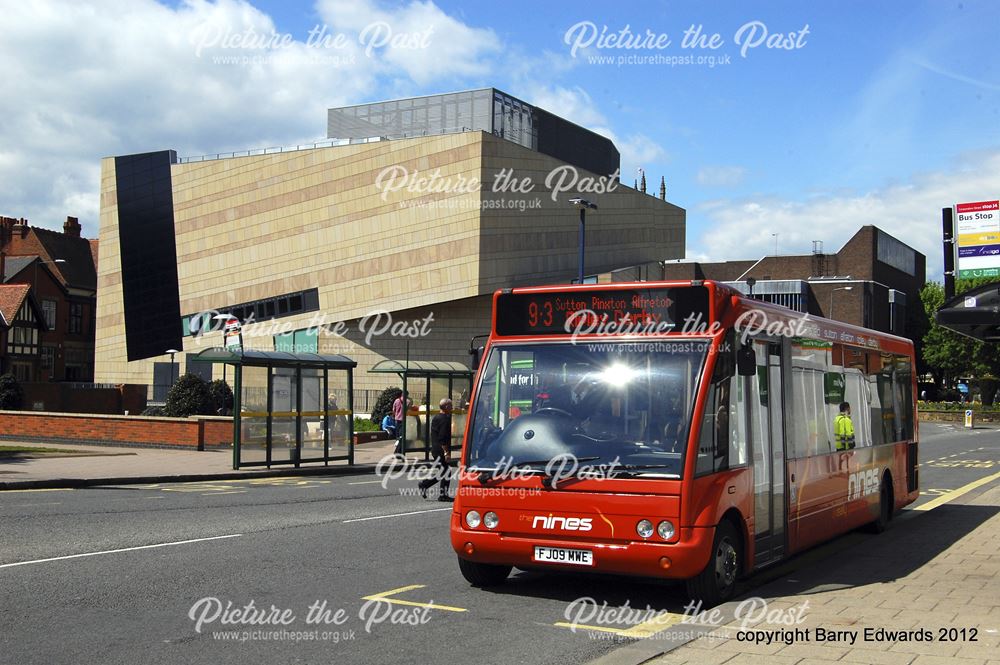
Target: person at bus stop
pixel 441 451
pixel 389 425
pixel 843 428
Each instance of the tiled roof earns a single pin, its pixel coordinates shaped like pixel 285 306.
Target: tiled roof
pixel 15 264
pixel 79 270
pixel 11 298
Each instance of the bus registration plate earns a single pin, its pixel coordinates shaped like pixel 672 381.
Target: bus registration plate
pixel 562 555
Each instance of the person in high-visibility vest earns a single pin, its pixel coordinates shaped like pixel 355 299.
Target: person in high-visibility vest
pixel 843 428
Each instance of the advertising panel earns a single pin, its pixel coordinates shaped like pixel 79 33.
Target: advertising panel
pixel 977 233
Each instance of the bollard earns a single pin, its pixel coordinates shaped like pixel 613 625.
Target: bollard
pixel 968 419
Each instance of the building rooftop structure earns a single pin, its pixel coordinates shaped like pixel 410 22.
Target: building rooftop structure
pixel 486 110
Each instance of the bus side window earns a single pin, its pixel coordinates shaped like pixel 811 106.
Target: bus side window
pixel 738 422
pixel 713 444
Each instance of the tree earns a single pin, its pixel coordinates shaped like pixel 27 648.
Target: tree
pixel 188 397
pixel 222 397
pixel 383 404
pixel 946 354
pixel 11 393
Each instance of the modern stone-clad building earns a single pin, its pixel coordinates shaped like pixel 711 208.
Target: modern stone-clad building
pixel 421 208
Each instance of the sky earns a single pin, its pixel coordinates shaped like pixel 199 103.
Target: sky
pixel 804 120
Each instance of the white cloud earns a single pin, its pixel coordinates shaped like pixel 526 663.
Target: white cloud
pixel 910 211
pixel 720 176
pixel 88 80
pixel 576 105
pixel 418 40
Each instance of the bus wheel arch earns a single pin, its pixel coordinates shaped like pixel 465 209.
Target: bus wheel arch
pixel 717 582
pixel 886 504
pixel 483 574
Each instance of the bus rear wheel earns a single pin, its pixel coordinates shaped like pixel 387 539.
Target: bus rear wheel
pixel 483 574
pixel 885 508
pixel 717 583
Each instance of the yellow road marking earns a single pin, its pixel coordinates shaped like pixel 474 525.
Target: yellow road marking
pixel 53 489
pixel 384 596
pixel 638 631
pixel 954 494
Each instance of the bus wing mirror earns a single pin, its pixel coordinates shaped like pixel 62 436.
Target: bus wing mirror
pixel 746 361
pixel 477 356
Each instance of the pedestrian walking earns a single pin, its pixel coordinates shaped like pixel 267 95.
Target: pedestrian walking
pixel 441 451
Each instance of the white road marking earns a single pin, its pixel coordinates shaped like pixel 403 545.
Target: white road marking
pixel 382 517
pixel 124 549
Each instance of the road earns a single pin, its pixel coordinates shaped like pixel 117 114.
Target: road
pixel 123 574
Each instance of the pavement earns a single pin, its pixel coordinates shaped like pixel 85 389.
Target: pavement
pixel 116 465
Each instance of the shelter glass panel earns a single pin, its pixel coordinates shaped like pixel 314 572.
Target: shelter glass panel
pixel 283 400
pixel 313 415
pixel 253 421
pixel 338 412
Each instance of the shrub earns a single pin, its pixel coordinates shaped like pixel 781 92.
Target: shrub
pixel 11 393
pixel 222 397
pixel 365 425
pixel 383 405
pixel 188 397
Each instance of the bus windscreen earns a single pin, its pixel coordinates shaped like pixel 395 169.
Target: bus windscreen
pixel 626 404
pixel 602 311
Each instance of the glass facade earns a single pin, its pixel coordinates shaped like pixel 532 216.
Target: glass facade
pixel 486 110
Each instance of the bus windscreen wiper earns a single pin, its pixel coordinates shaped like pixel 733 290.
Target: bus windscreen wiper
pixel 629 468
pixel 488 473
pixel 485 474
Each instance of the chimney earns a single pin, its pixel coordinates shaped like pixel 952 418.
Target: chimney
pixel 72 227
pixel 3 265
pixel 22 225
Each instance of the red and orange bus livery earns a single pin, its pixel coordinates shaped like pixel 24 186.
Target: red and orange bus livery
pixel 675 430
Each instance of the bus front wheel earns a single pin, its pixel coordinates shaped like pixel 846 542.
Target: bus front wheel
pixel 483 574
pixel 717 582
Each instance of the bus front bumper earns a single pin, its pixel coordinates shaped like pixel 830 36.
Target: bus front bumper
pixel 682 559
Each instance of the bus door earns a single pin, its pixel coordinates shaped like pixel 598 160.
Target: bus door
pixel 768 442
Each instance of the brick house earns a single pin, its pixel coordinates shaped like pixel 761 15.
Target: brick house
pixel 61 270
pixel 873 281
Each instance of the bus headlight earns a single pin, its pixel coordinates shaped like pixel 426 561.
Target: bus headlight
pixel 472 519
pixel 665 529
pixel 490 520
pixel 644 528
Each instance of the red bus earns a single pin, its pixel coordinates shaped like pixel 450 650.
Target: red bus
pixel 675 430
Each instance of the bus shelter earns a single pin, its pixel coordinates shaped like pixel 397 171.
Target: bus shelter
pixel 430 381
pixel 289 408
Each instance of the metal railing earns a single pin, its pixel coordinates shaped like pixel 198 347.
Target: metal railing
pixel 330 143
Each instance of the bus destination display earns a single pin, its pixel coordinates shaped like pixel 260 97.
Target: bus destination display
pixel 600 311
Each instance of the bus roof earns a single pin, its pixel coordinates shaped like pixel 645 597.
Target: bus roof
pixel 664 307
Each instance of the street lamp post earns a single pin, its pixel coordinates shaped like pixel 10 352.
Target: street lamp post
pixel 34 278
pixel 172 366
pixel 582 205
pixel 842 288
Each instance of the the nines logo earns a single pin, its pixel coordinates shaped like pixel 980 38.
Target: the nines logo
pixel 863 483
pixel 565 523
